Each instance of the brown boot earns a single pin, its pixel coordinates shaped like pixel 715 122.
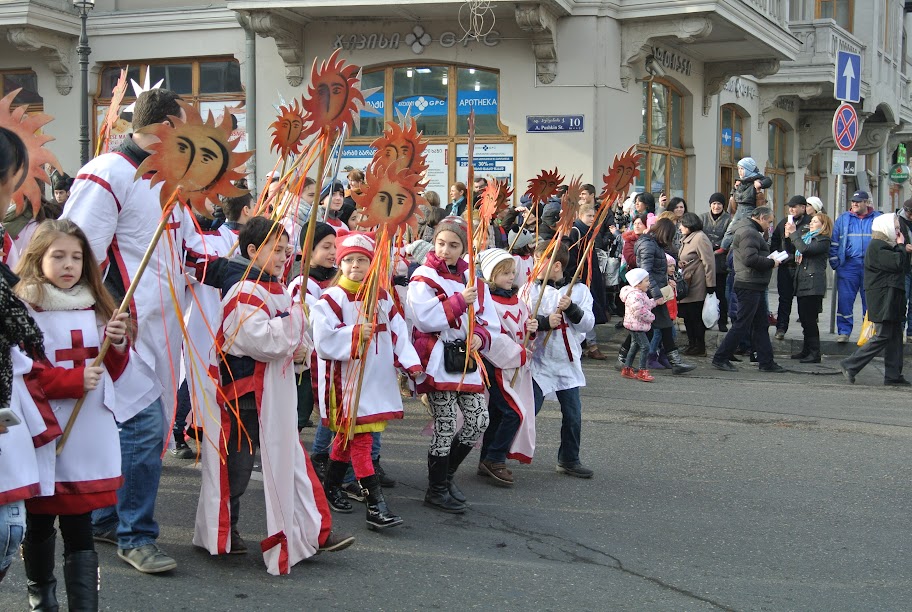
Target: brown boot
pixel 498 472
pixel 593 352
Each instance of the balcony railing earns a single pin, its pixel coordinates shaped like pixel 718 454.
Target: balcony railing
pixel 774 10
pixel 821 39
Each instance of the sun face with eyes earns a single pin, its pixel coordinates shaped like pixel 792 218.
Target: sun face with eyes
pixel 194 157
pixel 390 198
pixel 24 185
pixel 333 98
pixel 622 173
pixel 402 146
pixel 545 185
pixel 288 130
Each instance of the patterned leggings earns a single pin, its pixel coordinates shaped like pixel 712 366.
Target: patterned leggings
pixel 444 406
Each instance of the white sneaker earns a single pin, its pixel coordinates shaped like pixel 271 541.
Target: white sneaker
pixel 842 338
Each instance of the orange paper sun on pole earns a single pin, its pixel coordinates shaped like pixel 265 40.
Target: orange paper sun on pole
pixel 28 128
pixel 195 159
pixel 333 98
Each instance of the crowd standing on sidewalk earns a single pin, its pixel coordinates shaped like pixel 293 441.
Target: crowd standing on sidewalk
pixel 483 353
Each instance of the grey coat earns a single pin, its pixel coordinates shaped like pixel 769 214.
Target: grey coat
pixel 810 274
pixel 715 231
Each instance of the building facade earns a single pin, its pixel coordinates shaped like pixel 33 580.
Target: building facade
pixel 693 84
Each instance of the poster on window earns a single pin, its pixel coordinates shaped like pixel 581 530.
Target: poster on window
pixel 438 175
pixel 119 131
pixel 491 160
pixel 354 157
pixel 238 118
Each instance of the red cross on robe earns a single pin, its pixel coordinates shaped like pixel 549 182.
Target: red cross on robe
pixel 79 353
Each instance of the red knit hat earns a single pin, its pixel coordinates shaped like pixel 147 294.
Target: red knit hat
pixel 354 242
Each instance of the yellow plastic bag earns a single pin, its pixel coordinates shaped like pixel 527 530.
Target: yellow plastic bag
pixel 867 331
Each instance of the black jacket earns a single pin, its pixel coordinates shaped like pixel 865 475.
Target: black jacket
pixel 885 270
pixel 753 267
pixel 745 194
pixel 715 231
pixel 810 274
pixel 778 241
pixel 650 256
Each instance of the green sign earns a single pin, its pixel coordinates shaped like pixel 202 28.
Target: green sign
pixel 901 154
pixel 899 173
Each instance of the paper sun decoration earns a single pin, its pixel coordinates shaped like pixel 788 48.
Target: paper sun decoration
pixel 544 185
pixel 194 157
pixel 288 130
pixel 622 173
pixel 333 99
pixel 401 146
pixel 390 198
pixel 28 128
pixel 570 206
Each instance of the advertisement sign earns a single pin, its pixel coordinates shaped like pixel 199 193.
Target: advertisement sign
pixel 484 102
pixel 426 106
pixel 492 160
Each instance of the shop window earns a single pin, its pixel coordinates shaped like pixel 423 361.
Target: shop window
pixel 812 177
pixel 664 165
pixel 840 11
pixel 11 80
pixel 776 196
pixel 731 144
pixel 440 97
pixel 209 84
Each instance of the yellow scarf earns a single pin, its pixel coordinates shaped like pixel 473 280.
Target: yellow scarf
pixel 349 285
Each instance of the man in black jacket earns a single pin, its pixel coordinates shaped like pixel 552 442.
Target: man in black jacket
pixel 753 271
pixel 785 275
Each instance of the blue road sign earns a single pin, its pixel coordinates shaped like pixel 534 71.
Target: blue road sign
pixel 554 123
pixel 848 76
pixel 846 127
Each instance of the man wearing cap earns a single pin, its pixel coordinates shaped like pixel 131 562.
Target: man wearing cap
pixel 851 235
pixel 785 274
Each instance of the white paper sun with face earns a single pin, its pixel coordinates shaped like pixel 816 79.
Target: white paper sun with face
pixel 138 89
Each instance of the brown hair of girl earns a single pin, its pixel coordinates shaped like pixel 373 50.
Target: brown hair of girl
pixel 31 284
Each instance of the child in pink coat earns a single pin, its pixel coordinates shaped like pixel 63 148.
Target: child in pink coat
pixel 638 318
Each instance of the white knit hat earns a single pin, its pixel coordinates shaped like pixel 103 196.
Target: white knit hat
pixel 816 202
pixel 419 250
pixel 488 260
pixel 635 277
pixel 525 238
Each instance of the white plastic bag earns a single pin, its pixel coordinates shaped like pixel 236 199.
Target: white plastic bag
pixel 710 310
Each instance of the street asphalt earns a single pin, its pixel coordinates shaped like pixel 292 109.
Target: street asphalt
pixel 712 491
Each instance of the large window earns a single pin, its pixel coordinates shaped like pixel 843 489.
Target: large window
pixel 776 167
pixel 889 34
pixel 664 166
pixel 440 98
pixel 10 80
pixel 210 84
pixel 731 144
pixel 841 11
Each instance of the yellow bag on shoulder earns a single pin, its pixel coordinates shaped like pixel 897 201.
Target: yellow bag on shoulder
pixel 867 331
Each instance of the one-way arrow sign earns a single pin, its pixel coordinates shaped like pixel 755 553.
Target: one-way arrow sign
pixel 848 76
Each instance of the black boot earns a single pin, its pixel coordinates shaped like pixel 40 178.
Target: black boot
pixel 332 485
pixel 80 574
pixel 458 453
pixel 438 494
pixel 813 355
pixel 677 364
pixel 319 461
pixel 181 449
pixel 804 352
pixel 378 513
pixel 385 481
pixel 38 558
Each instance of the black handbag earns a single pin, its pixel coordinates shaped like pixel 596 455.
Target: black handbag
pixel 682 287
pixel 456 358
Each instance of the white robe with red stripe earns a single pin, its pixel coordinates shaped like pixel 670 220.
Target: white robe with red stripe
pixel 507 355
pixel 90 460
pixel 556 364
pixel 26 471
pixel 337 334
pixel 297 514
pixel 119 216
pixel 524 266
pixel 431 297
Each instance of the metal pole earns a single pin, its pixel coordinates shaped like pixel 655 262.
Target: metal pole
pixel 83 51
pixel 251 74
pixel 837 206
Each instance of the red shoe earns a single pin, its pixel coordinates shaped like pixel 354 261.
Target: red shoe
pixel 628 373
pixel 644 376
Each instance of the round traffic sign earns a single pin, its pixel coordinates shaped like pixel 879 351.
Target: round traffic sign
pixel 846 127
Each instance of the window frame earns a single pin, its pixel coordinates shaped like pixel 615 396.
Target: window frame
pixel 850 26
pixel 777 169
pixel 452 138
pixel 30 108
pixel 649 149
pixel 813 177
pixel 730 168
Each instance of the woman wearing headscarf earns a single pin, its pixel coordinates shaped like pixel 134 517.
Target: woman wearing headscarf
pixel 811 252
pixel 698 262
pixel 886 264
pixel 715 223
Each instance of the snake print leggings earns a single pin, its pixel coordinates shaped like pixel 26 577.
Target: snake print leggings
pixel 444 406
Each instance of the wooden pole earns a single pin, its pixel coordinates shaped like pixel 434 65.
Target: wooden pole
pixel 124 305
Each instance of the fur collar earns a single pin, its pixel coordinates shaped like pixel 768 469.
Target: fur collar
pixel 78 298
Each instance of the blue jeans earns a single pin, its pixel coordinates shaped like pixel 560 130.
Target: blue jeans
pixel 141 445
pixel 656 339
pixel 503 425
pixel 12 530
pixel 571 421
